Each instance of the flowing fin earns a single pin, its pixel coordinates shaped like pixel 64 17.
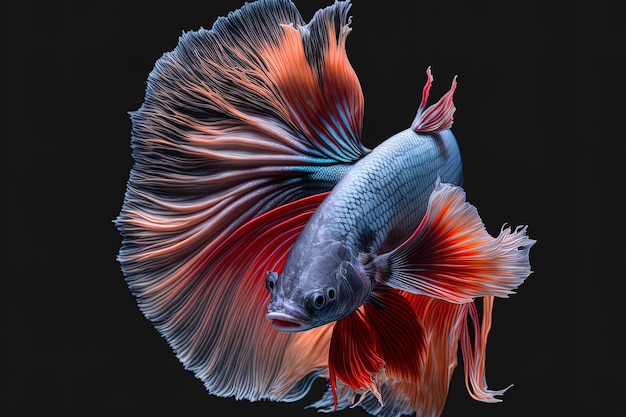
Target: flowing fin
pixel 474 356
pixel 239 125
pixel 354 355
pixel 446 324
pixel 401 335
pixel 451 256
pixel 234 349
pixel 213 313
pixel 438 116
pixel 383 340
pixel 443 323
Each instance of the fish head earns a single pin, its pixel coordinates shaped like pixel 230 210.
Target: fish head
pixel 318 290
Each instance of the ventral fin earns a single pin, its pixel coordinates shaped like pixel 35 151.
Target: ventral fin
pixel 354 355
pixel 452 256
pixel 474 354
pixel 438 116
pixel 382 341
pixel 401 335
pixel 443 324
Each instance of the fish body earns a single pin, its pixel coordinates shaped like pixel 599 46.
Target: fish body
pixel 270 248
pixel 376 206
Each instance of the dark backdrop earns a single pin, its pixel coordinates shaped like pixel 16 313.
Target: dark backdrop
pixel 538 114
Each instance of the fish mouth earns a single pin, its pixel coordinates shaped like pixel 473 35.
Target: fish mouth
pixel 286 323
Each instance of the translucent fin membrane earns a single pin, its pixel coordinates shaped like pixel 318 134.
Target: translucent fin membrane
pixel 451 256
pixel 474 354
pixel 437 117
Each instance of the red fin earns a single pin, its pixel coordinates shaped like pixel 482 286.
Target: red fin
pixel 354 355
pixel 437 117
pixel 400 334
pixel 442 323
pixel 383 340
pixel 451 255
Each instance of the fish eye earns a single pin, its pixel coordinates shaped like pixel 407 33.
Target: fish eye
pixel 330 293
pixel 270 280
pixel 317 300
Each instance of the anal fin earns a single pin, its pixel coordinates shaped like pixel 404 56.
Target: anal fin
pixel 451 255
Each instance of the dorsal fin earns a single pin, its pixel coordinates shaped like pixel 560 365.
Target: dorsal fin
pixel 238 123
pixel 438 116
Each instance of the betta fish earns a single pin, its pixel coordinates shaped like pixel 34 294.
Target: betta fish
pixel 270 247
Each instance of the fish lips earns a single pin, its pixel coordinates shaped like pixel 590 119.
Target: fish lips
pixel 287 323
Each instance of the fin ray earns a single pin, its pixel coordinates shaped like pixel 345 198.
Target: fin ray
pixel 226 147
pixel 451 255
pixel 438 116
pixel 474 355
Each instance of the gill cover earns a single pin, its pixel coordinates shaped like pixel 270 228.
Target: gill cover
pixel 328 289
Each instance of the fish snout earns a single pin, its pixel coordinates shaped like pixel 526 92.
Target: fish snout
pixel 281 312
pixel 286 322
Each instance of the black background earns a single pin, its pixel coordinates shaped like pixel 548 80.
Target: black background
pixel 539 114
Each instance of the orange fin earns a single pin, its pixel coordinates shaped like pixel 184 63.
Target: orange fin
pixel 451 255
pixel 474 354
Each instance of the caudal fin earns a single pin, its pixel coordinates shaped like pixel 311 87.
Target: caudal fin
pixel 452 256
pixel 240 125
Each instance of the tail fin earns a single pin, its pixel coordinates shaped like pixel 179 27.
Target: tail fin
pixel 259 112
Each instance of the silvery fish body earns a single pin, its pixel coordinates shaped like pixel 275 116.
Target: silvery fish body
pixel 376 206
